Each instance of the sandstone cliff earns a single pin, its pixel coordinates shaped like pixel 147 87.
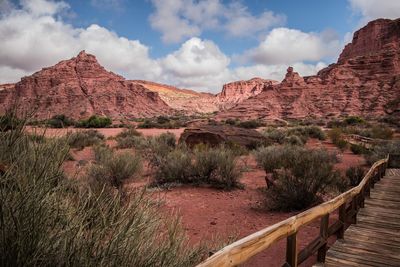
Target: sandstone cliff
pixel 79 88
pixel 365 81
pixel 235 92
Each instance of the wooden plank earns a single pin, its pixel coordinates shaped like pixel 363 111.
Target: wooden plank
pixel 367 239
pixel 372 233
pixel 362 258
pixel 391 252
pixel 346 258
pixel 379 257
pixel 381 210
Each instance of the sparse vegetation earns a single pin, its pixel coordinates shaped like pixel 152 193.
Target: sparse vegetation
pixel 250 124
pixel 47 220
pixel 381 151
pixel 358 149
pixel 300 176
pixel 81 139
pixel 128 138
pixel 294 135
pixel 59 121
pixel 213 166
pixel 94 122
pixel 355 175
pixel 164 122
pixel 112 168
pixel 336 136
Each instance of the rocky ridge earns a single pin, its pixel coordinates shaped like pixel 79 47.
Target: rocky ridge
pixel 81 87
pixel 235 92
pixel 365 81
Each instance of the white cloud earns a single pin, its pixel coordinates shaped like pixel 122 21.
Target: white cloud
pixel 182 19
pixel 285 46
pixel 374 9
pixel 33 38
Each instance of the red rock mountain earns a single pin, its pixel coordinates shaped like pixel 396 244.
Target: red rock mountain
pixel 235 92
pixel 79 88
pixel 183 100
pixel 365 81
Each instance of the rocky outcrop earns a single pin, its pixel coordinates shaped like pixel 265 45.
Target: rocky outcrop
pixel 183 100
pixel 81 87
pixel 215 135
pixel 365 81
pixel 235 92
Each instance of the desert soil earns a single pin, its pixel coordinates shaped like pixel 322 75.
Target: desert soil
pixel 210 215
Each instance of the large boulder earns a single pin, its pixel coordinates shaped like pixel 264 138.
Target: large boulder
pixel 215 135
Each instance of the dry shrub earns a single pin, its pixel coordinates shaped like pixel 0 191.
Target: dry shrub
pixel 213 166
pixel 301 176
pixel 81 139
pixel 112 168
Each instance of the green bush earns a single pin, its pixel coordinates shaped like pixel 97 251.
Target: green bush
pixel 250 124
pixel 301 176
pixel 81 139
pixel 94 122
pixel 128 138
pixel 214 166
pixel 352 120
pixel 217 166
pixel 381 151
pixel 336 137
pixel 175 168
pixel 358 149
pixel 355 175
pixel 112 169
pixel 59 121
pixel 294 135
pixel 230 121
pixel 163 122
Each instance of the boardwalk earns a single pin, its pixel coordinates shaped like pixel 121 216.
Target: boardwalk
pixel 375 239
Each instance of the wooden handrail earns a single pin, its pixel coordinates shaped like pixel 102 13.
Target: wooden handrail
pixel 243 249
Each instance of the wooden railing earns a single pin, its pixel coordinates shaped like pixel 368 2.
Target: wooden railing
pixel 348 204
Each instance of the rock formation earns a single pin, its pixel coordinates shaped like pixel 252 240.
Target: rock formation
pixel 79 88
pixel 235 92
pixel 215 135
pixel 183 100
pixel 365 81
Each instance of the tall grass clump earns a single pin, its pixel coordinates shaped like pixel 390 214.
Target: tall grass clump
pixel 81 139
pixel 300 176
pixel 113 168
pixel 128 138
pixel 46 220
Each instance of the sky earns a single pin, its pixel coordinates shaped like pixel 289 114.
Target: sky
pixel 195 44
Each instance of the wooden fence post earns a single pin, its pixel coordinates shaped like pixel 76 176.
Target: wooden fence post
pixel 324 235
pixel 291 250
pixel 342 219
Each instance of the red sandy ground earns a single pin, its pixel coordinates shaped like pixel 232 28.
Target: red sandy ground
pixel 209 214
